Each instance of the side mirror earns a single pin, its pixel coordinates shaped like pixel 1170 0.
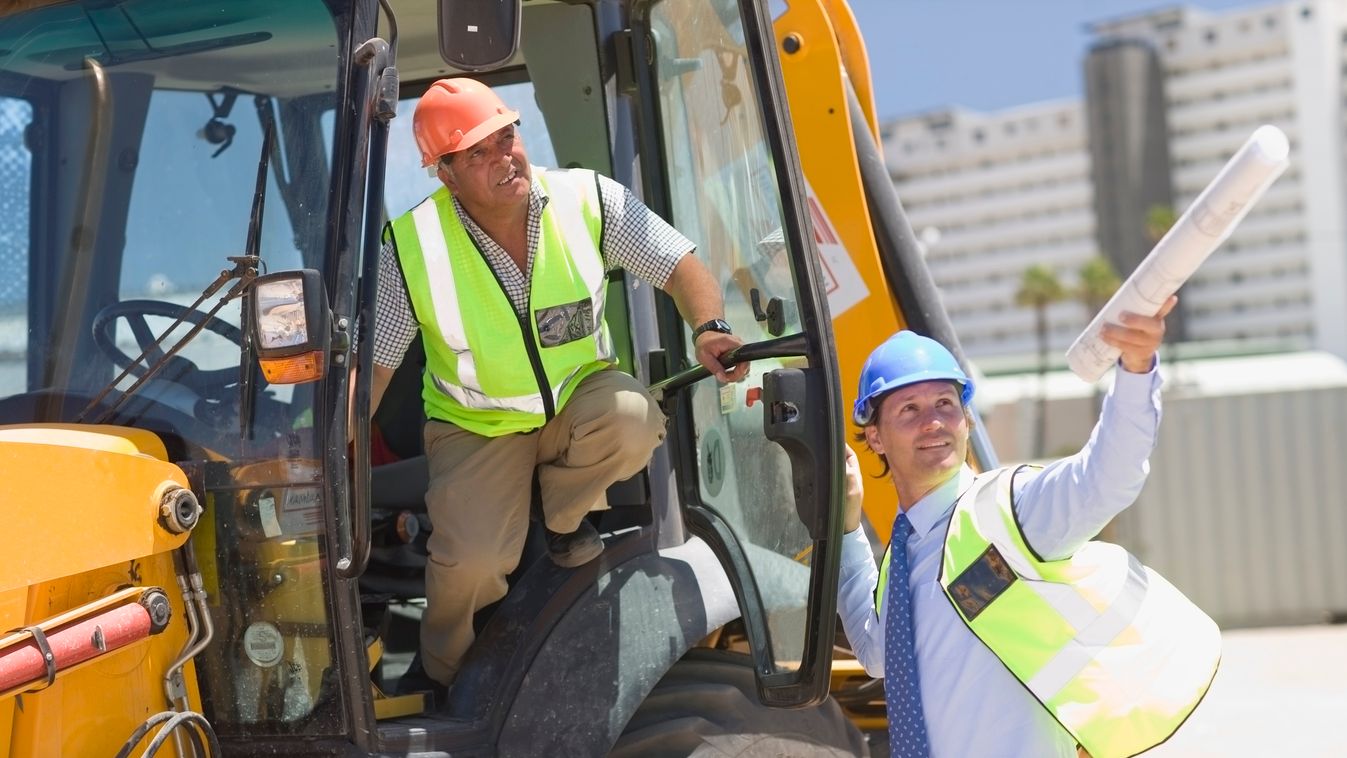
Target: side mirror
pixel 290 326
pixel 478 35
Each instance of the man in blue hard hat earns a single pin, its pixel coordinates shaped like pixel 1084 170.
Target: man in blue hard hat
pixel 975 615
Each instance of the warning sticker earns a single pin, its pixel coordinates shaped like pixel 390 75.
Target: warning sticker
pixel 301 513
pixel 290 512
pixel 841 280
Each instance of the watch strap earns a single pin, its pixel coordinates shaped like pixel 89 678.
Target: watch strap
pixel 714 325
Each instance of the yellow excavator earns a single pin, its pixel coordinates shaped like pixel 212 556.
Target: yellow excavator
pixel 195 563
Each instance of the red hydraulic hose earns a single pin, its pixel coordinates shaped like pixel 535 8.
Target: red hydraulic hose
pixel 25 664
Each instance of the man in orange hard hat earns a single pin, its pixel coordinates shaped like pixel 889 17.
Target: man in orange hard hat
pixel 503 272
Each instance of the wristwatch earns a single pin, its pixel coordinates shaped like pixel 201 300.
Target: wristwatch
pixel 714 325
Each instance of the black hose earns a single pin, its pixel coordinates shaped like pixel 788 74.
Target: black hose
pixel 177 720
pixel 171 720
pixel 139 733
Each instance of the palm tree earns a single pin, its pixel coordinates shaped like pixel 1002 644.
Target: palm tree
pixel 1159 218
pixel 1039 288
pixel 1098 281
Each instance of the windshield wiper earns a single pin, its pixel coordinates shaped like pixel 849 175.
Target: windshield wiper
pixel 248 367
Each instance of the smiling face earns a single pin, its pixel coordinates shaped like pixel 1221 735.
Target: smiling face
pixel 491 176
pixel 922 431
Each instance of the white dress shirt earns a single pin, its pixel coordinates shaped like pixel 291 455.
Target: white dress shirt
pixel 972 703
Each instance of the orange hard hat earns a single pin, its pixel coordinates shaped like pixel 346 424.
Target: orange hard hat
pixel 456 114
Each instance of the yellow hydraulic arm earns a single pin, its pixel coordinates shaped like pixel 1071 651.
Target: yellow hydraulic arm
pixel 821 50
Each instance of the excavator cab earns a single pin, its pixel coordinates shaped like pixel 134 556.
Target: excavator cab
pixel 191 206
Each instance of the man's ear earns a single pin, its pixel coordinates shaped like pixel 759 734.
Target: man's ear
pixel 446 177
pixel 872 440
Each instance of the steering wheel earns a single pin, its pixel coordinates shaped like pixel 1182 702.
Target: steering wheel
pixel 207 383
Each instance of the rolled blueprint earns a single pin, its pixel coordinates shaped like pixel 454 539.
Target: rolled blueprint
pixel 1198 232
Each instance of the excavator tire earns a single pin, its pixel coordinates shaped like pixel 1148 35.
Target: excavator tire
pixel 707 706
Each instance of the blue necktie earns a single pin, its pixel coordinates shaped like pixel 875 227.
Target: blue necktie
pixel 907 726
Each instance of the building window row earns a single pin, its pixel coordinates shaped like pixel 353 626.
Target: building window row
pixel 1283 116
pixel 1220 95
pixel 911 147
pixel 964 280
pixel 1200 282
pixel 1219 159
pixel 1251 307
pixel 1014 219
pixel 1058 334
pixel 1046 245
pixel 1179 68
pixel 1212 34
pixel 1184 195
pixel 982 134
pixel 991 191
pixel 976 210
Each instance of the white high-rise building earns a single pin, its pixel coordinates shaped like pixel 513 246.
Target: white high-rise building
pixel 1170 95
pixel 990 194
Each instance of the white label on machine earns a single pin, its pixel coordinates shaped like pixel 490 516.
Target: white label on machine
pixel 300 513
pixel 266 513
pixel 1195 236
pixel 729 395
pixel 841 281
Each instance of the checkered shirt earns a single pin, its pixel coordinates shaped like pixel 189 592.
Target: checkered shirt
pixel 635 238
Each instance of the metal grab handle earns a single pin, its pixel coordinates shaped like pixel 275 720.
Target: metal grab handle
pixel 354 541
pixel 789 346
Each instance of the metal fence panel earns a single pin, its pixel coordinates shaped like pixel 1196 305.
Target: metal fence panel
pixel 1245 506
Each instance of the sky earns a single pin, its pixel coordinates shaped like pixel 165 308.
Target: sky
pixel 986 54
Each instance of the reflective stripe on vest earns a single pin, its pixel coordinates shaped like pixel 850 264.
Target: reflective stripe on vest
pixel 1113 651
pixel 479 372
pixel 883 581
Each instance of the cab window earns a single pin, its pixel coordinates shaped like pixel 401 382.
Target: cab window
pixel 16 170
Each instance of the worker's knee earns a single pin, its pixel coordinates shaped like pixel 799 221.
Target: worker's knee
pixel 638 420
pixel 632 425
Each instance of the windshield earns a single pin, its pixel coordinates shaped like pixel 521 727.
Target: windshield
pixel 135 168
pixel 130 143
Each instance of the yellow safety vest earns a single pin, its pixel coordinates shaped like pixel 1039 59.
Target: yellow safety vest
pixel 487 369
pixel 1113 651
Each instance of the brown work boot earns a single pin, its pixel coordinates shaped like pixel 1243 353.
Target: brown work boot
pixel 574 548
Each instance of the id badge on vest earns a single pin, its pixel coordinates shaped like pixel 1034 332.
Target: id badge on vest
pixel 981 583
pixel 568 322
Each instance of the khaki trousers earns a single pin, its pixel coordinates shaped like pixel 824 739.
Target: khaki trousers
pixel 481 488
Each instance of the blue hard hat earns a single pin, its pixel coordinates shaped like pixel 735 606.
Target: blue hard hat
pixel 903 359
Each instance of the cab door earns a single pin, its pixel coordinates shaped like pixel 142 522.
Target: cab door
pixel 758 462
